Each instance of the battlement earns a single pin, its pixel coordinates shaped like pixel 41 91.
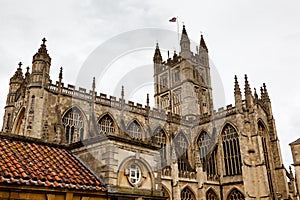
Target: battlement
pixel 104 99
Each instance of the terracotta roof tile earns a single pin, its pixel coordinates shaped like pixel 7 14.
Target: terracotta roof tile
pixel 26 162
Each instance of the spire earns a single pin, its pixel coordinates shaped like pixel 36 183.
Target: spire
pixel 184 31
pixel 184 36
pixel 237 95
pixel 247 86
pixel 157 55
pixel 185 44
pixel 42 53
pixel 202 44
pixel 237 90
pixel 248 94
pixel 266 94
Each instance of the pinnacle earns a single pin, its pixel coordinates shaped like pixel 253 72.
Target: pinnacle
pixel 60 73
pixel 247 86
pixel 184 30
pixel 203 44
pixel 122 92
pixel 237 90
pixel 147 101
pixel 94 84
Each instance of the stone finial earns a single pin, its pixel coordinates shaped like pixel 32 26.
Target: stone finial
pixel 247 86
pixel 44 41
pixel 20 65
pixel 94 84
pixel 60 76
pixel 255 94
pixel 248 94
pixel 27 73
pixel 266 94
pixel 122 92
pixel 147 101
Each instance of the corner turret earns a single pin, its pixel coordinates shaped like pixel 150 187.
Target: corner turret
pixel 41 66
pixel 14 84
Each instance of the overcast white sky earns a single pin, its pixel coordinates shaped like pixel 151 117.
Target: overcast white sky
pixel 260 38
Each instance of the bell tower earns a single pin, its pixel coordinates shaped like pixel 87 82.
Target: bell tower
pixel 182 83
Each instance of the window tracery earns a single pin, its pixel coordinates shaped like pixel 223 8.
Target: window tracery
pixel 160 138
pixel 181 146
pixel 186 194
pixel 211 195
pixel 235 195
pixel 106 124
pixel 74 125
pixel 231 151
pixel 135 130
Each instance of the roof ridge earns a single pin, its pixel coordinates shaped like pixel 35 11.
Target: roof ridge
pixel 29 139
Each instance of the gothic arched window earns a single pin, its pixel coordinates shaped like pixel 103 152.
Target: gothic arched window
pixel 211 195
pixel 160 139
pixel 135 130
pixel 73 124
pixel 235 195
pixel 203 143
pixel 20 122
pixel 181 147
pixel 186 194
pixel 263 133
pixel 106 124
pixel 231 150
pixel 165 193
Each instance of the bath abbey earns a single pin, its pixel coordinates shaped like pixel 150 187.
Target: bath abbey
pixel 59 141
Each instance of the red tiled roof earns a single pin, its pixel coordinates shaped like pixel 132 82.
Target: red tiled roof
pixel 27 162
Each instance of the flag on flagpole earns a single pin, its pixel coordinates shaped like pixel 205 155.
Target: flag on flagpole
pixel 173 19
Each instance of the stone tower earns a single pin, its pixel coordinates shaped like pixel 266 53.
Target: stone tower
pixel 182 83
pixel 26 102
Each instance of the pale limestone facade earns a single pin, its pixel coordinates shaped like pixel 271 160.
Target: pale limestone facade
pixel 182 148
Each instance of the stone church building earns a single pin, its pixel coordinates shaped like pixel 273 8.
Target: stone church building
pixel 181 149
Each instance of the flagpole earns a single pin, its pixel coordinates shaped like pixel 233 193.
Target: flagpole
pixel 178 34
